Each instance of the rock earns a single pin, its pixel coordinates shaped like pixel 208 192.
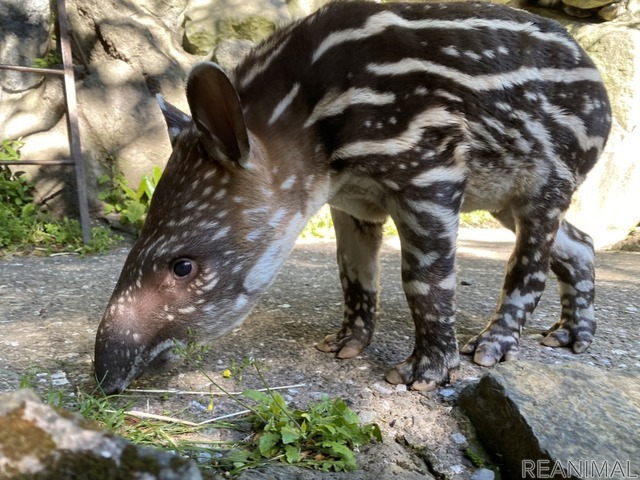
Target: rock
pixel 587 4
pixel 209 21
pixel 606 204
pixel 381 389
pixel 538 417
pixel 630 244
pixel 458 438
pixel 37 441
pixel 620 10
pixel 25 31
pixel 133 52
pixel 230 51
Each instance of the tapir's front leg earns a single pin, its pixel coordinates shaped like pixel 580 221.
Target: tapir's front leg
pixel 428 231
pixel 358 245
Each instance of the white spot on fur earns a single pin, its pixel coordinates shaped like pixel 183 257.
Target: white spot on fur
pixel 451 50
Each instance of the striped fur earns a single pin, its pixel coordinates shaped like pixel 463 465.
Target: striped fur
pixel 417 111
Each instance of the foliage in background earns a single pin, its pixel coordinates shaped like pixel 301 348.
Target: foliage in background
pixel 119 198
pixel 320 226
pixel 51 56
pixel 26 228
pixel 49 60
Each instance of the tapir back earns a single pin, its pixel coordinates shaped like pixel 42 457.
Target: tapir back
pixel 360 80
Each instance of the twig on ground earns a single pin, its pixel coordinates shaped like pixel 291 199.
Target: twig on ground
pixel 191 392
pixel 178 421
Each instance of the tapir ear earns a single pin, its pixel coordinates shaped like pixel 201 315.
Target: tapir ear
pixel 176 119
pixel 217 112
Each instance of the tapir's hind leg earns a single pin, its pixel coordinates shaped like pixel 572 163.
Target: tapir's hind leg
pixel 524 283
pixel 358 245
pixel 572 260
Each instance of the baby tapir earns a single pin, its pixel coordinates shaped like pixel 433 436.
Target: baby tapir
pixel 414 111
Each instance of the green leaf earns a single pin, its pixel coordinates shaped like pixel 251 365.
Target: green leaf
pixel 341 451
pixel 373 430
pixel 289 434
pixel 157 173
pixel 149 187
pixel 267 443
pixel 104 178
pixel 291 453
pixel 256 396
pixel 129 192
pixel 135 212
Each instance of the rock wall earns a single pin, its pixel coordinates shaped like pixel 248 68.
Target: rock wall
pixel 134 49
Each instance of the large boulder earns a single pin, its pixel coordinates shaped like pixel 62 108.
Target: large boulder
pixel 39 442
pixel 542 421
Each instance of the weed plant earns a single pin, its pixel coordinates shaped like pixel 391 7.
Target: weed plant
pixel 25 228
pixel 325 435
pixel 119 198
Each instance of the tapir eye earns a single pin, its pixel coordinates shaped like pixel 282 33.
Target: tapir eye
pixel 182 267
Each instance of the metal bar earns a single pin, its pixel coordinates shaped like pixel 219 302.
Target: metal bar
pixel 72 121
pixel 45 71
pixel 36 162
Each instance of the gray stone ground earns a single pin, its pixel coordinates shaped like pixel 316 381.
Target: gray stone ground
pixel 50 309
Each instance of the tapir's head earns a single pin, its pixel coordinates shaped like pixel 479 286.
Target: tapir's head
pixel 211 243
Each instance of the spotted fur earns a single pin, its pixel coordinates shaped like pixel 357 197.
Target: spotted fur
pixel 414 111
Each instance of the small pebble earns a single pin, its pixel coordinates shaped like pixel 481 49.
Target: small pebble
pixel 458 438
pixel 198 406
pixel 401 387
pixel 367 416
pixel 456 469
pixel 484 474
pixel 381 389
pixel 318 395
pixel 203 457
pixel 447 392
pixel 58 379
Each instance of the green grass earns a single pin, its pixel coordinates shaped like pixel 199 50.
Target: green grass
pixel 322 436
